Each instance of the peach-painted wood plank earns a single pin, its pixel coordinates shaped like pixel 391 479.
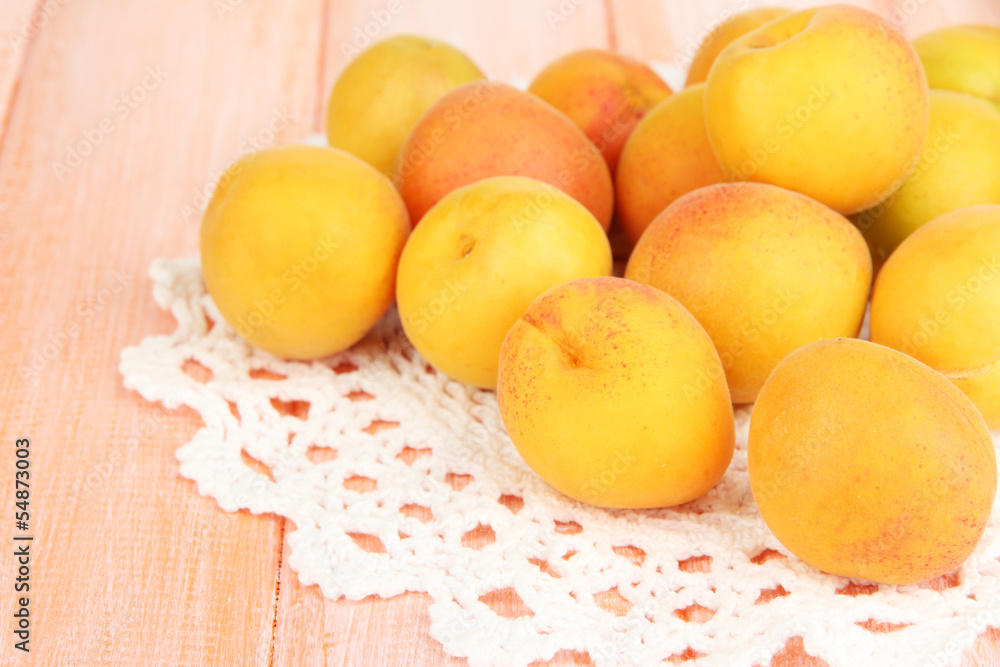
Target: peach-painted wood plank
pixel 668 31
pixel 915 17
pixel 19 23
pixel 124 109
pixel 510 41
pixel 132 566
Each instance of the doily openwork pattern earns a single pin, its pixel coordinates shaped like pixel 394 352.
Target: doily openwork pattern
pixel 398 479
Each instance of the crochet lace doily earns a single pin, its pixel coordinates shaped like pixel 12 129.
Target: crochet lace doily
pixel 398 479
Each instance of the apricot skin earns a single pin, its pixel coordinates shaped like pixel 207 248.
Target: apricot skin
pixel 720 37
pixel 868 464
pixel 667 156
pixel 614 395
pixel 299 246
pixel 382 94
pixel 487 129
pixel 938 300
pixel 765 270
pixel 958 167
pixel 965 58
pixel 830 101
pixel 479 259
pixel 605 93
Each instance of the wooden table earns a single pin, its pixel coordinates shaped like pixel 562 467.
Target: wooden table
pixel 116 118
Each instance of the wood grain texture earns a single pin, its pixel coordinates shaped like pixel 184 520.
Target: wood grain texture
pixel 118 119
pixel 19 23
pixel 510 41
pixel 131 565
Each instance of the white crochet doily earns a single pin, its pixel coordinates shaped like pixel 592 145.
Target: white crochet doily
pixel 398 479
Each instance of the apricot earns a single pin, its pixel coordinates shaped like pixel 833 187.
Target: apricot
pixel 724 33
pixel 868 464
pixel 667 155
pixel 477 261
pixel 488 129
pixel 831 102
pixel 613 394
pixel 958 167
pixel 965 58
pixel 382 94
pixel 299 247
pixel 606 94
pixel 765 270
pixel 938 300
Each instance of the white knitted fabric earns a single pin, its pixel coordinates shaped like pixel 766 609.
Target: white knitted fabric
pixel 386 467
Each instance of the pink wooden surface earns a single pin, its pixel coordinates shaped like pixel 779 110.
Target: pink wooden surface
pixel 130 565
